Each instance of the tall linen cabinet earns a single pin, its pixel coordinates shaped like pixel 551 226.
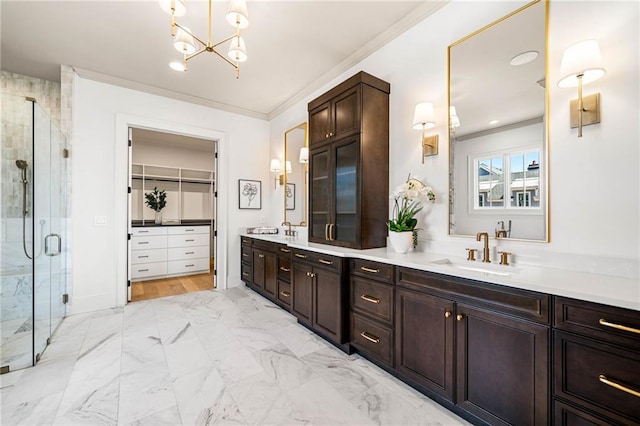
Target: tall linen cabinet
pixel 349 164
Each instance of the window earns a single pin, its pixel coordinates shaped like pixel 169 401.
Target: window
pixel 507 181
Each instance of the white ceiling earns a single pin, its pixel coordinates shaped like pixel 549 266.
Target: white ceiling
pixel 294 47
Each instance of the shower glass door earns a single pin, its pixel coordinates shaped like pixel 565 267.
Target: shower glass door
pixel 48 228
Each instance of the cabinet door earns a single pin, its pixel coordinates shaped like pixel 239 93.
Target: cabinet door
pixel 346 114
pixel 320 187
pixel 259 265
pixel 270 275
pixel 327 312
pixel 302 293
pixel 319 124
pixel 345 230
pixel 502 367
pixel 424 340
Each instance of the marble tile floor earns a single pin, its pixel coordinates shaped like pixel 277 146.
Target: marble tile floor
pixel 212 357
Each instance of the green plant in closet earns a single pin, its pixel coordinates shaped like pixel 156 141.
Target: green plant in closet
pixel 156 199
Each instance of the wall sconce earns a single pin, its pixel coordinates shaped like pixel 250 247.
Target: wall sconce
pixel 276 167
pixel 304 155
pixel 422 120
pixel 454 120
pixel 582 64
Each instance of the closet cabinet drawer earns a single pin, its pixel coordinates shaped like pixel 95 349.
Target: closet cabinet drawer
pixel 187 266
pixel 188 240
pixel 148 270
pixel 151 242
pixel 178 230
pixel 182 253
pixel 142 231
pixel 148 256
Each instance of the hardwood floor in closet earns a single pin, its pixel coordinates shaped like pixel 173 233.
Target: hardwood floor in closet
pixel 152 289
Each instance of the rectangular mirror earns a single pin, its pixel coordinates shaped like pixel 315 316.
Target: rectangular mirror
pixel 498 132
pixel 296 158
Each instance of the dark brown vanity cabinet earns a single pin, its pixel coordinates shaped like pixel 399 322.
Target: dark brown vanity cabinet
pixel 319 294
pixel 481 346
pixel 349 164
pixel 264 266
pixel 246 261
pixel 596 360
pixel 283 297
pixel 264 271
pixel 372 307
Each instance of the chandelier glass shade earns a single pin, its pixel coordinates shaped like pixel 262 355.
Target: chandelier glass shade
pixel 191 46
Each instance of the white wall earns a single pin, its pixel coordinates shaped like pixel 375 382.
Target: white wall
pixel 101 112
pixel 595 225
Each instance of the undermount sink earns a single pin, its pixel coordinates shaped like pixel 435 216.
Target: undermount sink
pixel 477 266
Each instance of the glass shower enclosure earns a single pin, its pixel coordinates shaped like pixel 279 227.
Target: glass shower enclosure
pixel 33 265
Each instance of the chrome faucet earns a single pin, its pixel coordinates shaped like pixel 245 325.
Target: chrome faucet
pixel 288 232
pixel 479 236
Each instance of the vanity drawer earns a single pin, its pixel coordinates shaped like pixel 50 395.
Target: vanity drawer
pixel 373 339
pixel 374 270
pixel 318 259
pixel 566 415
pixel 284 292
pixel 181 253
pixel 149 242
pixel 148 270
pixel 247 273
pixel 245 241
pixel 148 256
pixel 142 231
pixel 284 268
pixel 178 230
pixel 583 365
pixel 245 254
pixel 188 240
pixel 284 250
pixel 616 325
pixel 187 266
pixel 372 298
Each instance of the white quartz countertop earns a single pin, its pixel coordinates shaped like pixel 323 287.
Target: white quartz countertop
pixel 606 289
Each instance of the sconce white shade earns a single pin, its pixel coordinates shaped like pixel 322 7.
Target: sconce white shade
pixel 423 116
pixel 237 14
pixel 304 155
pixel 275 165
pixel 184 42
pixel 177 5
pixel 287 166
pixel 453 116
pixel 237 50
pixel 581 59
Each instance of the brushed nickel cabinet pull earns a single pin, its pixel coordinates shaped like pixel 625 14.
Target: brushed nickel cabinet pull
pixel 285 294
pixel 370 337
pixel 370 298
pixel 189 241
pixel 282 268
pixel 189 252
pixel 189 266
pixel 618 326
pixel 143 270
pixel 618 386
pixel 326 262
pixel 459 317
pixel 143 242
pixel 447 314
pixel 142 257
pixel 301 256
pixel 284 250
pixel 142 232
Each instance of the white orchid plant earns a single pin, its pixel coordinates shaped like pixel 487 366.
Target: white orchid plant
pixel 409 198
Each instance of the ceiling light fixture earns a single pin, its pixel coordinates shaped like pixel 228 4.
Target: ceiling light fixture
pixel 524 58
pixel 191 46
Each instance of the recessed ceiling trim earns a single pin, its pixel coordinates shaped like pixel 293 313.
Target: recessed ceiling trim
pixel 133 85
pixel 417 15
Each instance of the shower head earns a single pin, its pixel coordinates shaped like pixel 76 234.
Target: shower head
pixel 22 165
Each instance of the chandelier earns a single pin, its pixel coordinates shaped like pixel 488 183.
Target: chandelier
pixel 191 46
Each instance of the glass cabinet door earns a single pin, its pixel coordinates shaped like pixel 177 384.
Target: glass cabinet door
pixel 345 227
pixel 319 208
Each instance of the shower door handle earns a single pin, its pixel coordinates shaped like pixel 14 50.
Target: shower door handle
pixel 46 245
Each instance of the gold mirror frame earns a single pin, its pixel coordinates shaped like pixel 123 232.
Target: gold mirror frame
pixel 292 154
pixel 544 156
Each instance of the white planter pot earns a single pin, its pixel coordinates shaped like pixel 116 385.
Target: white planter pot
pixel 401 242
pixel 158 218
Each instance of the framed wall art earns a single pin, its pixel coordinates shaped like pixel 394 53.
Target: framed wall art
pixel 250 194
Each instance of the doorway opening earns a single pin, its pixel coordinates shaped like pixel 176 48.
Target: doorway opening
pixel 172 214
